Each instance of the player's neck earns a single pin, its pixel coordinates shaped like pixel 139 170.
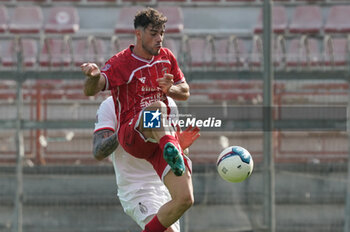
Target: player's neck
pixel 140 52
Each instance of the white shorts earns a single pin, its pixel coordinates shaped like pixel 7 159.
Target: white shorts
pixel 145 205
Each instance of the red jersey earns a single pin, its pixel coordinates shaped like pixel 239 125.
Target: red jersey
pixel 132 80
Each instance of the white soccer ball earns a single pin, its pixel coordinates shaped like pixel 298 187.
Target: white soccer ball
pixel 235 164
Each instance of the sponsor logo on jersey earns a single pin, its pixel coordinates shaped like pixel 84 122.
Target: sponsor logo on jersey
pixel 147 89
pixel 165 70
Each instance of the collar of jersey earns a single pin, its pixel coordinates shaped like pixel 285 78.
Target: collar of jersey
pixel 141 59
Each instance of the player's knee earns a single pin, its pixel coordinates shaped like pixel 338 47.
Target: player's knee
pixel 185 201
pixel 161 106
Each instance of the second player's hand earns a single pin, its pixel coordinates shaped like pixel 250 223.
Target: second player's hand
pixel 90 69
pixel 188 136
pixel 166 82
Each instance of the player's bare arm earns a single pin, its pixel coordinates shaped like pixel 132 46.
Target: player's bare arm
pixel 104 143
pixel 93 82
pixel 179 92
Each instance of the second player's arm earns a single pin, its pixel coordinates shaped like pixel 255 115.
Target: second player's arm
pixel 104 143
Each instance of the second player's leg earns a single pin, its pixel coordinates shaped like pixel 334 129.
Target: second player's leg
pixel 181 191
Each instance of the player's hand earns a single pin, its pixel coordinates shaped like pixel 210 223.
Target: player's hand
pixel 90 70
pixel 166 82
pixel 188 136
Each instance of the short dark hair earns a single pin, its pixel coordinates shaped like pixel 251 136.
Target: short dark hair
pixel 149 16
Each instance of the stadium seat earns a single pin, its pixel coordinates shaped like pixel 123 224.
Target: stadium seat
pixel 29 55
pixel 336 52
pixel 279 20
pixel 55 53
pixel 338 20
pixel 89 50
pixel 3 19
pixel 306 20
pixel 304 52
pixel 62 20
pixel 175 22
pixel 26 19
pixel 229 52
pixel 198 52
pixel 125 19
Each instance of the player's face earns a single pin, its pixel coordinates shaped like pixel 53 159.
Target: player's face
pixel 152 39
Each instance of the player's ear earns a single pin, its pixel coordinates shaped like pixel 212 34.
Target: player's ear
pixel 138 33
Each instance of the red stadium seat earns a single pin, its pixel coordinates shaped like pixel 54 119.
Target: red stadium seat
pixel 338 20
pixel 29 54
pixel 229 52
pixel 3 19
pixel 279 20
pixel 124 24
pixel 62 20
pixel 306 19
pixel 199 52
pixel 89 50
pixel 26 19
pixel 303 53
pixel 55 53
pixel 336 52
pixel 175 17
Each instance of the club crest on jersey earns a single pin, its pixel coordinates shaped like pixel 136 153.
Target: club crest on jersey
pixel 143 209
pixel 142 79
pixel 165 70
pixel 106 67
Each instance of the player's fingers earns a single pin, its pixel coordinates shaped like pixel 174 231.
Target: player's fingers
pixel 196 129
pixel 196 137
pixel 178 129
pixel 188 128
pixel 169 76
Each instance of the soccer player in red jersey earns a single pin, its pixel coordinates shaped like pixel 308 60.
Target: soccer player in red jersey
pixel 140 77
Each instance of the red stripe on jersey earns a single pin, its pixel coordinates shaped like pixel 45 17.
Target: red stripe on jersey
pixel 105 128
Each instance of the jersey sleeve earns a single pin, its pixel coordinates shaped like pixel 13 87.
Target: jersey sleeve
pixel 112 72
pixel 175 69
pixel 105 116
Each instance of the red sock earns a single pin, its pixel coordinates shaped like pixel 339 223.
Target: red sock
pixel 166 139
pixel 154 226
